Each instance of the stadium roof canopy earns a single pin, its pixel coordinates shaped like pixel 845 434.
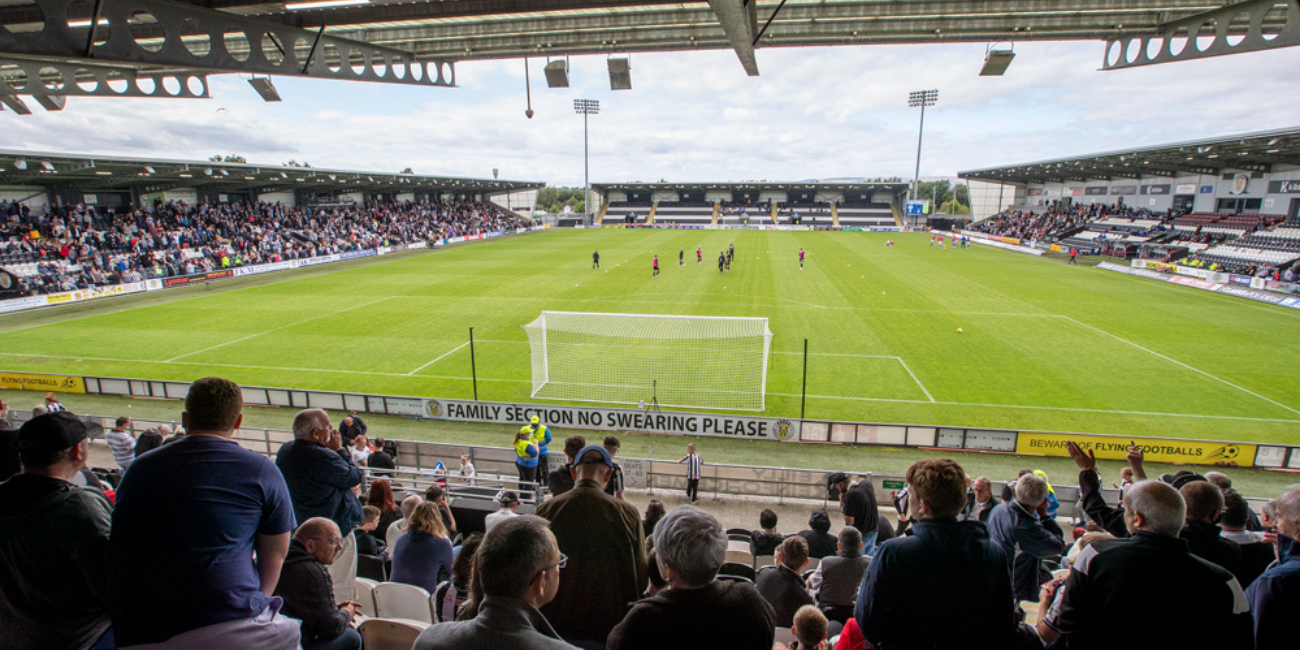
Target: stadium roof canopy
pixel 400 41
pixel 761 186
pixel 87 173
pixel 1261 151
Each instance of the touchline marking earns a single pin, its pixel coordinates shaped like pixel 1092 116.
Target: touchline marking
pixel 236 365
pixel 836 354
pixel 1180 363
pixel 454 350
pixel 1041 408
pixel 276 329
pixel 714 301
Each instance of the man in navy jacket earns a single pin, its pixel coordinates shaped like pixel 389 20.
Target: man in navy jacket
pixel 1275 597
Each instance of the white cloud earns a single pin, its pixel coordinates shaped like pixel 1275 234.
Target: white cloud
pixel 814 112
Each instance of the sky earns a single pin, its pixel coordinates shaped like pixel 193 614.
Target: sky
pixel 695 116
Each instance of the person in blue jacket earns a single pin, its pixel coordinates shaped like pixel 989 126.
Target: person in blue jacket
pixel 526 454
pixel 541 434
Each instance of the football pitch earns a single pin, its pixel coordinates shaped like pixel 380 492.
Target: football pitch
pixel 1043 345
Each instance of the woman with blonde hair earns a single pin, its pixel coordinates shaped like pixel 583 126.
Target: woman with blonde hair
pixel 423 552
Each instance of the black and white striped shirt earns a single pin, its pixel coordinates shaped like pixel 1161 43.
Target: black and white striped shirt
pixel 694 465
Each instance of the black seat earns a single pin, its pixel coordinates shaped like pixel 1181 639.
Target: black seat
pixel 371 567
pixel 736 569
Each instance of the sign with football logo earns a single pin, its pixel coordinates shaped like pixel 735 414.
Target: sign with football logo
pixel 1156 450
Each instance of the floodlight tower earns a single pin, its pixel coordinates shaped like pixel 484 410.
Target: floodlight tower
pixel 586 107
pixel 920 98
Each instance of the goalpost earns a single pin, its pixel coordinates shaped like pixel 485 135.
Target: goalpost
pixel 707 362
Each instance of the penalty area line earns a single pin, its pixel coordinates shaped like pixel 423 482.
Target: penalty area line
pixel 444 356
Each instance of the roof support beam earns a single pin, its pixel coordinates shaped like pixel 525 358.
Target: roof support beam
pixel 739 19
pixel 1205 35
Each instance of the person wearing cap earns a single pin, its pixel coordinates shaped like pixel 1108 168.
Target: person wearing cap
pixel 216 504
pixel 821 542
pixel 605 542
pixel 509 502
pixel 541 434
pixel 525 456
pixel 53 543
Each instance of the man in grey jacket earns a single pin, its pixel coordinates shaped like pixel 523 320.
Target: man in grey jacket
pixel 1027 535
pixel 835 581
pixel 518 566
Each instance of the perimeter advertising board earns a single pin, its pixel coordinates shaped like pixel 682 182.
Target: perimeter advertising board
pixel 1198 452
pixel 44 383
pixel 610 419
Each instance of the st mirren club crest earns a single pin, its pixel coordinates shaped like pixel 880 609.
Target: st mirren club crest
pixel 435 408
pixel 6 281
pixel 783 429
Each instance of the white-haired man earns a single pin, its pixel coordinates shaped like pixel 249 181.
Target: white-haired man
pixel 1027 535
pixel 1149 591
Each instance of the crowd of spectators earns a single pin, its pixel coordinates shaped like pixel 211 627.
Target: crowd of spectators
pixel 79 247
pixel 216 546
pixel 1057 218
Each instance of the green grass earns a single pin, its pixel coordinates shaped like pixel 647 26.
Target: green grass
pixel 1045 346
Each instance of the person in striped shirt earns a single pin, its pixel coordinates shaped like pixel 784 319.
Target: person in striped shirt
pixel 694 467
pixel 121 442
pixel 52 404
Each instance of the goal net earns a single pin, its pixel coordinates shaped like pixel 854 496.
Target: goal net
pixel 702 362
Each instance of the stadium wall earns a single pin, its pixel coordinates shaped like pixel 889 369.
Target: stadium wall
pixel 287 198
pixel 1151 192
pixel 775 429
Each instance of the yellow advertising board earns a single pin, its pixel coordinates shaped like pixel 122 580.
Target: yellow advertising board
pixel 1158 450
pixel 43 383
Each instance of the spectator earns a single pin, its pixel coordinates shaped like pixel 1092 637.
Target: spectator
pixel 366 542
pixel 851 637
pixel 654 511
pixel 560 480
pixel 1027 536
pixel 944 566
pixel 604 540
pixel 320 474
pixel 150 440
pixel 858 503
pixel 215 503
pixel 467 473
pixel 359 448
pixel 518 567
pixel 1224 483
pixel 380 463
pixel 380 497
pixel 1256 554
pixel 308 592
pixel 350 427
pixel 810 628
pixel 820 542
pixel 765 541
pixel 1110 519
pixel 834 583
pixel 1204 538
pixel 121 442
pixel 53 543
pixel 423 552
pixel 657 581
pixel 436 494
pixel 1275 597
pixel 615 486
pixel 782 585
pixel 525 458
pixel 1111 599
pixel 9 463
pixel 697 610
pixel 395 529
pixel 509 507
pixel 1053 505
pixel 452 593
pixel 982 500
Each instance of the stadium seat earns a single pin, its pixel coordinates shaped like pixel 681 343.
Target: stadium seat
pixel 369 566
pixel 784 635
pixel 742 570
pixel 397 600
pixel 739 537
pixel 390 634
pixel 741 557
pixel 764 560
pixel 735 579
pixel 738 531
pixel 366 595
pixel 813 563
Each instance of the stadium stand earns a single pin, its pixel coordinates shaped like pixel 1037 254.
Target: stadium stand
pixel 865 215
pixel 77 247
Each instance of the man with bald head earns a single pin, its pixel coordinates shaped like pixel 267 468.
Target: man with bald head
pixel 1275 596
pixel 308 592
pixel 1148 590
pixel 320 474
